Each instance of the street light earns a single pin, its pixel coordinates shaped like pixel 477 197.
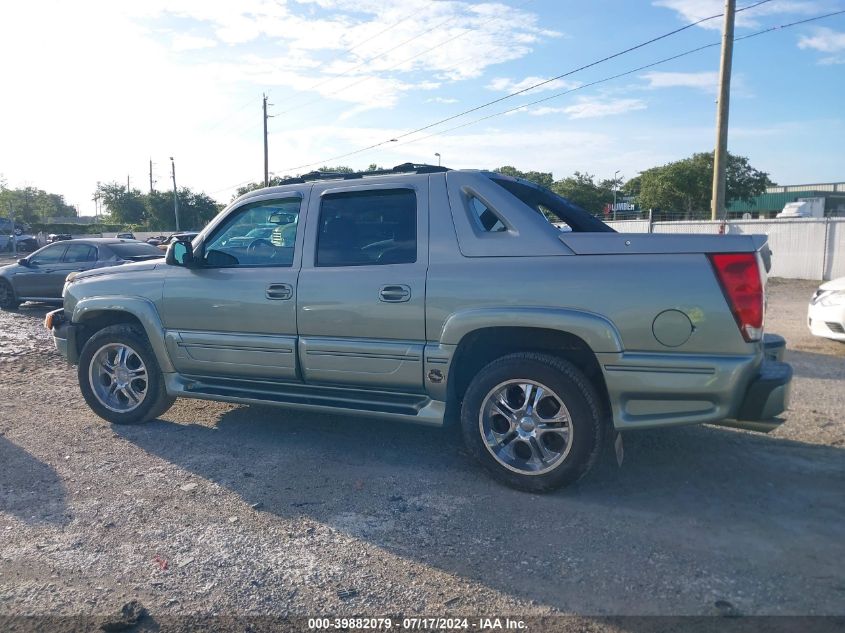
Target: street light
pixel 175 197
pixel 616 173
pixel 438 158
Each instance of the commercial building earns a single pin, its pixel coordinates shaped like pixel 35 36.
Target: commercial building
pixel 769 204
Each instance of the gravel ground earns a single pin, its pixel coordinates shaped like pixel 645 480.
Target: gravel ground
pixel 222 509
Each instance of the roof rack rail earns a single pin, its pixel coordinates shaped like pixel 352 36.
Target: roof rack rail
pixel 404 168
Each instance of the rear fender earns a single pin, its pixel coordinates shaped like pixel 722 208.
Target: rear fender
pixel 598 332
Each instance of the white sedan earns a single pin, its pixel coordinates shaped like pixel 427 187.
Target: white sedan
pixel 826 314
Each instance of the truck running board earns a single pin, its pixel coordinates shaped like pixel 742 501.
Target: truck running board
pixel 409 407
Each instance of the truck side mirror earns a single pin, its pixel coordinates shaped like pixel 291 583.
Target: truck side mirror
pixel 180 253
pixel 23 261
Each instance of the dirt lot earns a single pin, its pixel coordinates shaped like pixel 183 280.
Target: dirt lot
pixel 264 511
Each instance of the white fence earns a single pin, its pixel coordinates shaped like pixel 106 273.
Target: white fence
pixel 801 248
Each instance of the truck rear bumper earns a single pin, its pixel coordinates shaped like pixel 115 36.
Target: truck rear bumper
pixel 654 390
pixel 767 397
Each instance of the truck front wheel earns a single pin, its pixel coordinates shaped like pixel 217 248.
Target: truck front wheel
pixel 533 420
pixel 120 378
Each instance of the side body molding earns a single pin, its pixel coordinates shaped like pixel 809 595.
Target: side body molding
pixel 142 309
pixel 597 331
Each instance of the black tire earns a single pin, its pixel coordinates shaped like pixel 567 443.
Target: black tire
pixel 574 391
pixel 8 300
pixel 156 400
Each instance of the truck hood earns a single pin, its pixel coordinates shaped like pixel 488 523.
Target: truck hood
pixel 131 267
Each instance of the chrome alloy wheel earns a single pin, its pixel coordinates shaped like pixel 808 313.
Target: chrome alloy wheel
pixel 525 426
pixel 118 377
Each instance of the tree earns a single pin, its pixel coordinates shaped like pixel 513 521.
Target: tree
pixel 196 209
pixel 583 190
pixel 124 206
pixel 275 181
pixel 155 210
pixel 31 204
pixel 686 185
pixel 542 178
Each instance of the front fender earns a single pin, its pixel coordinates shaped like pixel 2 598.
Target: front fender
pixel 598 332
pixel 142 309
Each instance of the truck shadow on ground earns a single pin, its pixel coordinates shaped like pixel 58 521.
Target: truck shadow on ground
pixel 814 365
pixel 693 513
pixel 29 488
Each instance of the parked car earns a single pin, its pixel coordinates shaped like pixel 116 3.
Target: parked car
pixel 41 275
pixel 826 312
pixel 24 244
pixel 125 236
pixel 183 235
pixel 7 227
pixel 155 240
pixel 58 237
pixel 421 294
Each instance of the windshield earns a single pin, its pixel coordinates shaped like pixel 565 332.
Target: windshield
pixel 134 250
pixel 553 207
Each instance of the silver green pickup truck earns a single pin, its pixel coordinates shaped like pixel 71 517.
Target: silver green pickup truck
pixel 422 294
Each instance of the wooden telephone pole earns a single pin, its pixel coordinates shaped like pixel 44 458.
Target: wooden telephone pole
pixel 720 156
pixel 266 165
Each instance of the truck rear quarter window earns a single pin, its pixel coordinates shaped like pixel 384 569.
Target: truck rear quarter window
pixel 488 219
pixel 364 228
pixel 559 211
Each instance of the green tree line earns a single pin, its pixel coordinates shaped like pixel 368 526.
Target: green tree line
pixel 682 186
pixel 31 205
pixel 154 211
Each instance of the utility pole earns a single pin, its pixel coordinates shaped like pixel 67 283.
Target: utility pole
pixel 151 175
pixel 128 191
pixel 615 174
pixel 720 156
pixel 266 165
pixel 175 197
pixel 13 236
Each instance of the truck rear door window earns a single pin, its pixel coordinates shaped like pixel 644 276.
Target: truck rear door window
pixel 364 228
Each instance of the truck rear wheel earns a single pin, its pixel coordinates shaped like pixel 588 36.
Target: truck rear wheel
pixel 533 420
pixel 120 378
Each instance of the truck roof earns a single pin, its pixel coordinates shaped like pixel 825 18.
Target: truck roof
pixel 318 176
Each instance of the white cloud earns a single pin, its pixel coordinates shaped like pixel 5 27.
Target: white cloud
pixel 446 100
pixel 826 40
pixel 506 84
pixel 707 81
pixel 694 10
pixel 185 42
pixel 592 108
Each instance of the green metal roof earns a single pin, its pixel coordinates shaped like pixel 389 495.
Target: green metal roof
pixel 773 201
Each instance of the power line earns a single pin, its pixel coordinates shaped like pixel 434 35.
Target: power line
pixel 581 87
pixel 619 75
pixel 531 87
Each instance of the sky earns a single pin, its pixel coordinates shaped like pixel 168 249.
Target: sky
pixel 93 90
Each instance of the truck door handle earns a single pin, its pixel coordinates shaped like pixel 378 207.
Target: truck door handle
pixel 394 294
pixel 279 292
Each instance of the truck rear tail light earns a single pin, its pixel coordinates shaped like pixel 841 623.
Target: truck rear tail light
pixel 742 285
